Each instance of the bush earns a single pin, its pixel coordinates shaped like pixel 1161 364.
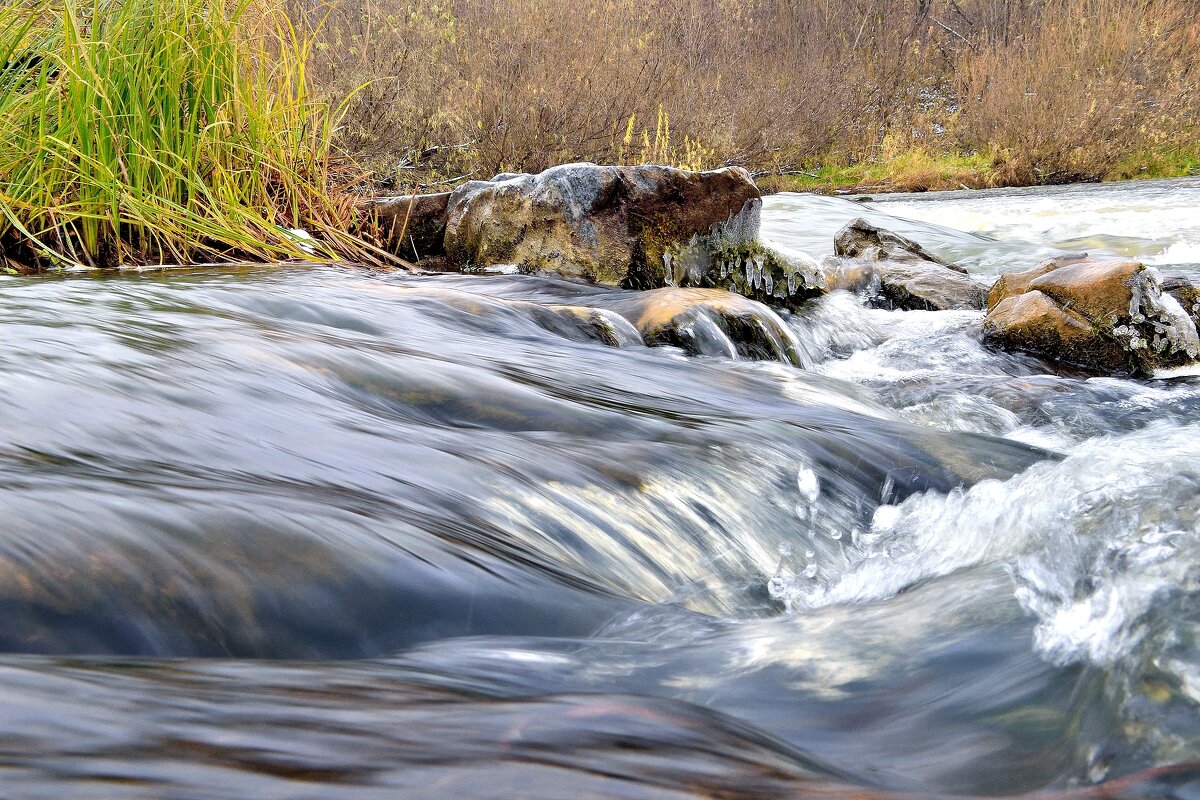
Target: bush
pixel 1032 91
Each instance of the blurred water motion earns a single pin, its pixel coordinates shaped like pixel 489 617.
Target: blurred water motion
pixel 329 533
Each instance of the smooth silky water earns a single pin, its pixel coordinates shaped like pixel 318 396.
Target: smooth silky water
pixel 337 533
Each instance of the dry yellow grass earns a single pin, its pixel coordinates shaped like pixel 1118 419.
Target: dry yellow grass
pixel 1021 90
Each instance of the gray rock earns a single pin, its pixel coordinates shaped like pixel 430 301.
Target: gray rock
pixel 863 240
pixel 927 287
pixel 898 273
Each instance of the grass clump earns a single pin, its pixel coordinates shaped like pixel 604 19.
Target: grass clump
pixel 161 131
pixel 911 170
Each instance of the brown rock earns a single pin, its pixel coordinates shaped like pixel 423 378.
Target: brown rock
pixel 1032 322
pixel 1011 284
pixel 711 322
pixel 1107 316
pixel 1099 290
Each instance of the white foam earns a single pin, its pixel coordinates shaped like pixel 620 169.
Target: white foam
pixel 1094 543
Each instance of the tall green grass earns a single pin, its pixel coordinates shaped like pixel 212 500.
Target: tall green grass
pixel 161 131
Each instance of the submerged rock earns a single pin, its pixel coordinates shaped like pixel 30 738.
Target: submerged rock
pixel 863 240
pixel 580 323
pixel 705 322
pixel 584 323
pixel 898 273
pixel 1107 317
pixel 710 322
pixel 636 227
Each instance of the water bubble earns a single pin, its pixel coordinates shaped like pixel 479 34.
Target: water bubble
pixel 809 554
pixel 810 571
pixel 802 512
pixel 809 484
pixel 835 534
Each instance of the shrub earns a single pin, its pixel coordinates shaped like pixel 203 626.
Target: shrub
pixel 1028 90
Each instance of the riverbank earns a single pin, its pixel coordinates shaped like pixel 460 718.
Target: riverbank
pixel 807 96
pixel 142 132
pixel 925 171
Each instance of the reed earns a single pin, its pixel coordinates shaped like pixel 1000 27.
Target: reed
pixel 162 131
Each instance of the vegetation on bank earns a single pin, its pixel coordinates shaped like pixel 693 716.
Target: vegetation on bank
pixel 190 131
pixel 162 131
pixel 918 170
pixel 809 94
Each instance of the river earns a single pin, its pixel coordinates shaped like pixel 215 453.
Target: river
pixel 339 533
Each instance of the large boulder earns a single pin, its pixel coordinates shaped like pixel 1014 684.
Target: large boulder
pixel 1104 316
pixel 898 273
pixel 637 227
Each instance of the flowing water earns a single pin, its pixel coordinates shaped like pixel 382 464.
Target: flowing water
pixel 327 532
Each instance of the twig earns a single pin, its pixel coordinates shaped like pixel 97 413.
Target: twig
pixel 448 180
pixel 760 173
pixel 948 29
